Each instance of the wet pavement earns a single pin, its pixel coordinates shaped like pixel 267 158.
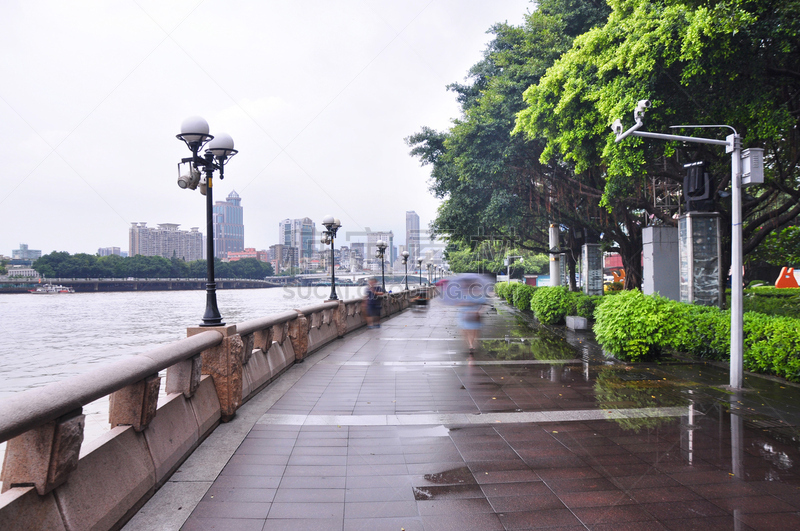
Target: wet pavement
pixel 400 428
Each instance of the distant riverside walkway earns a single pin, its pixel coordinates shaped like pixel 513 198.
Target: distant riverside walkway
pixel 399 428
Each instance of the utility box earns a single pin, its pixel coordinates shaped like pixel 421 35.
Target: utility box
pixel 700 252
pixel 660 273
pixel 752 166
pixel 592 269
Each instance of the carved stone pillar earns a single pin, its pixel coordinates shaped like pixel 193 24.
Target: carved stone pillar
pixel 340 318
pixel 224 363
pixel 135 405
pixel 44 456
pixel 298 333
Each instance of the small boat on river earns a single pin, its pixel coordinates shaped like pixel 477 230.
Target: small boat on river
pixel 52 288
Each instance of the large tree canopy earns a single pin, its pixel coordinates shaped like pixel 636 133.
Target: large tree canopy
pixel 733 62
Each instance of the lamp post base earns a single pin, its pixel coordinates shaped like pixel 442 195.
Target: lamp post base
pixel 212 316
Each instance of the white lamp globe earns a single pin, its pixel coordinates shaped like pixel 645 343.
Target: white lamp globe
pixel 328 220
pixel 221 146
pixel 194 129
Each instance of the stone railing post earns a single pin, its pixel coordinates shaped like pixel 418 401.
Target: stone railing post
pixel 224 363
pixel 135 405
pixel 298 334
pixel 44 456
pixel 340 318
pixel 184 377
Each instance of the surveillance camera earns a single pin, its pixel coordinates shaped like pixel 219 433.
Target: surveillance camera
pixel 644 104
pixel 616 127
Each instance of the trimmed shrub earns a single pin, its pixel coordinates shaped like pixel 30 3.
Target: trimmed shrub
pixel 633 326
pixel 772 345
pixel 522 296
pixel 551 304
pixel 586 304
pixel 502 289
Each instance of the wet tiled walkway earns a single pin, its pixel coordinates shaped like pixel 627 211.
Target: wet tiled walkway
pixel 399 428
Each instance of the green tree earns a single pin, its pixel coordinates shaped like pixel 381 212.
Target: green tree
pixel 734 62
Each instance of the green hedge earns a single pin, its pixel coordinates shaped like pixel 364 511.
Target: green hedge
pixel 551 305
pixel 633 326
pixel 522 296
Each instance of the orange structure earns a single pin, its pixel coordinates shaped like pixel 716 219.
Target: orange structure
pixel 786 279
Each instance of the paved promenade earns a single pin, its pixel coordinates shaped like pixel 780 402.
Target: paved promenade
pixel 400 428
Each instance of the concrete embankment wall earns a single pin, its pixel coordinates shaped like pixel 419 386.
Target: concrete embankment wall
pixel 51 481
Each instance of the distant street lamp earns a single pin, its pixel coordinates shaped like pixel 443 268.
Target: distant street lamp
pixel 405 263
pixel 219 150
pixel 332 225
pixel 419 263
pixel 381 245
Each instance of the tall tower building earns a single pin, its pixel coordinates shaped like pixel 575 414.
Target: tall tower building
pixel 228 226
pixel 300 233
pixel 412 235
pixel 166 240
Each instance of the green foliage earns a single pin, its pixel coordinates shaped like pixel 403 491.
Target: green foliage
pixel 551 305
pixel 522 296
pixel 488 257
pixel 632 326
pixel 772 345
pixel 585 305
pixel 64 265
pixel 780 248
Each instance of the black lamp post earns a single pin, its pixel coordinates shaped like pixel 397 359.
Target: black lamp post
pixel 419 264
pixel 405 263
pixel 332 225
pixel 194 132
pixel 381 245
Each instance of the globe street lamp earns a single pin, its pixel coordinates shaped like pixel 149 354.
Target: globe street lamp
pixel 219 150
pixel 419 264
pixel 381 245
pixel 332 225
pixel 405 263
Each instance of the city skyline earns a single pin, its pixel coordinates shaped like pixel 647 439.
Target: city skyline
pixel 318 97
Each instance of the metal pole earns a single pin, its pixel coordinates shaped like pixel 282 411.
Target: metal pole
pixel 333 296
pixel 737 320
pixel 406 264
pixel 383 281
pixel 211 317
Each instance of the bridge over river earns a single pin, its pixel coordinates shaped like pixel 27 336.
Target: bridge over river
pixel 309 420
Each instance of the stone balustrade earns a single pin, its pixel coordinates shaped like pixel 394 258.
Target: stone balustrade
pixel 51 480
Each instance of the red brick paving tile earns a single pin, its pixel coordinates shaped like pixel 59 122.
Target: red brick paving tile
pixel 715 523
pixel 725 490
pixel 515 489
pixel 685 509
pixel 446 508
pixel 663 494
pixel 754 505
pixel 610 515
pixel 644 481
pixel 381 509
pixel 506 476
pixel 773 521
pixel 605 498
pixel 568 473
pixel 539 519
pixel 509 504
pixel 465 522
pixel 579 485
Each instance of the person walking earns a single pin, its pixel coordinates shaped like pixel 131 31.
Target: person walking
pixel 372 303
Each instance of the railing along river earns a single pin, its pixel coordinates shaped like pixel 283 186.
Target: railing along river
pixel 51 480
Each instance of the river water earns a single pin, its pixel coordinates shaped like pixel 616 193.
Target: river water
pixel 46 338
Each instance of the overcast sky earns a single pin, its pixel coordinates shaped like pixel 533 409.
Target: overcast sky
pixel 317 95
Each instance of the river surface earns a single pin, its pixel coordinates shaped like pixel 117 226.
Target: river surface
pixel 46 338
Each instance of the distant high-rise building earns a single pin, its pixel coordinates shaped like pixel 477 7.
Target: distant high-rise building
pixel 282 257
pixel 108 251
pixel 372 239
pixel 300 233
pixel 166 241
pixel 23 253
pixel 412 235
pixel 228 226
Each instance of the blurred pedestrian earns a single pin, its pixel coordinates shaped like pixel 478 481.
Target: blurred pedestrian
pixel 372 303
pixel 471 298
